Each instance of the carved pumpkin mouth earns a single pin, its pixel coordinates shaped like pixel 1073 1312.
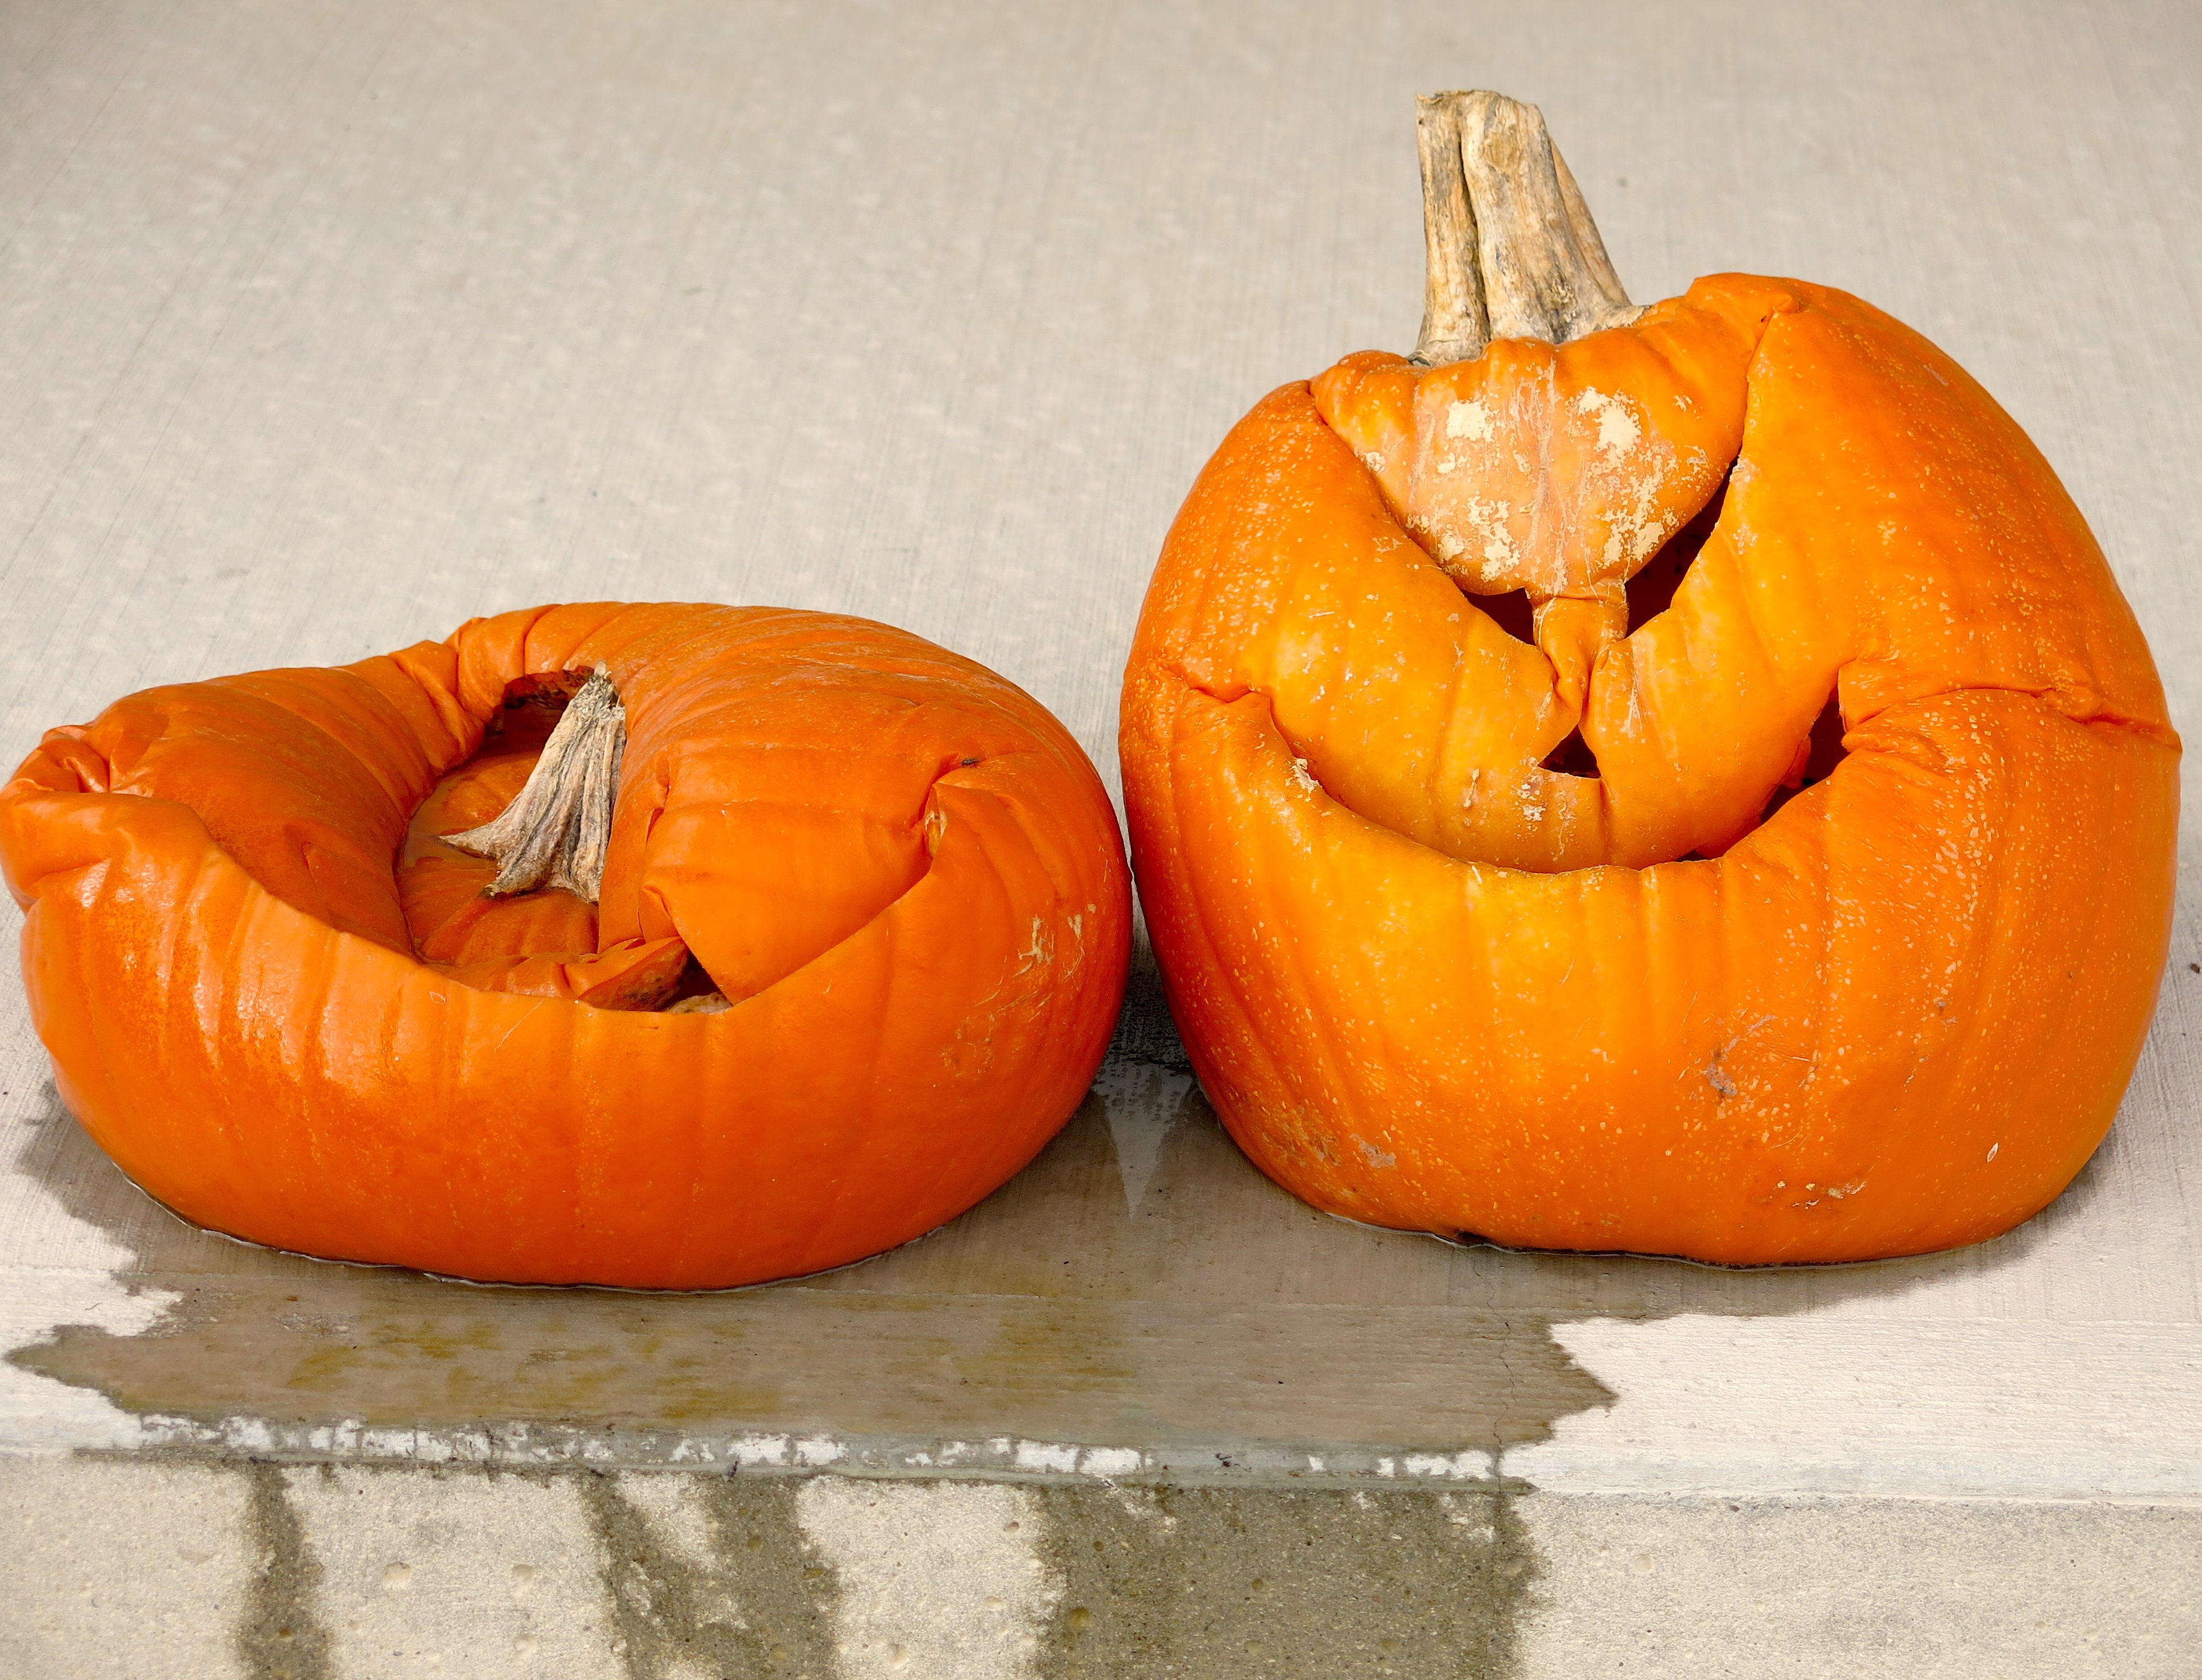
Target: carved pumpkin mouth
pixel 1674 495
pixel 1589 482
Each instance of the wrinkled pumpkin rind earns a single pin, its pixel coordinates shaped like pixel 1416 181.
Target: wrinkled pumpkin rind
pixel 1898 1017
pixel 317 1088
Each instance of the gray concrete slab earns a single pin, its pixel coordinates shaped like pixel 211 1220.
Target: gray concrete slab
pixel 157 1566
pixel 324 327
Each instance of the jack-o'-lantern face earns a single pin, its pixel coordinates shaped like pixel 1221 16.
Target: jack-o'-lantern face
pixel 1892 1011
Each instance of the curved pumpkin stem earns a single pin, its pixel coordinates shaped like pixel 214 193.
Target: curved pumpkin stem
pixel 556 833
pixel 1513 251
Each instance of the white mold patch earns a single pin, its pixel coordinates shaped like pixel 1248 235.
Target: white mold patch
pixel 1619 430
pixel 1471 421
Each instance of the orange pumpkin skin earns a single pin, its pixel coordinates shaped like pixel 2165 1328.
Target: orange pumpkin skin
pixel 1430 984
pixel 902 872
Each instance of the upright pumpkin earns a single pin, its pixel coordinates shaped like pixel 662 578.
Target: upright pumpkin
pixel 798 936
pixel 1566 938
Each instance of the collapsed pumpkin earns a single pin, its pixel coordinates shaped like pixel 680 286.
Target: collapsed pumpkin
pixel 797 937
pixel 1608 933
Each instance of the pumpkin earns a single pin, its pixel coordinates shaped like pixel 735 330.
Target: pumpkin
pixel 1679 780
pixel 771 940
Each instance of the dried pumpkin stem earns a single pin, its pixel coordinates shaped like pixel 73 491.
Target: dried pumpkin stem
pixel 556 833
pixel 1512 250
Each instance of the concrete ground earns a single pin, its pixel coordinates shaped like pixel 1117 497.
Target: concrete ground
pixel 258 1571
pixel 325 327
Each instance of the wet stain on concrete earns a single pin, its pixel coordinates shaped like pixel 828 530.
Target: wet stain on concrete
pixel 1209 1584
pixel 1140 1281
pixel 759 1602
pixel 1144 1033
pixel 280 1633
pixel 1217 1310
pixel 1056 1313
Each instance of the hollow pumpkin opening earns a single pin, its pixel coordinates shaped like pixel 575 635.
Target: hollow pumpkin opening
pixel 1572 757
pixel 1651 591
pixel 543 940
pixel 743 884
pixel 440 889
pixel 1512 613
pixel 1823 752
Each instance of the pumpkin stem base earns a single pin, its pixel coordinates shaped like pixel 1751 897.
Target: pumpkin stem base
pixel 1512 250
pixel 556 833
